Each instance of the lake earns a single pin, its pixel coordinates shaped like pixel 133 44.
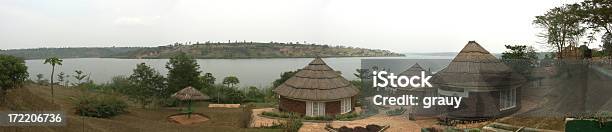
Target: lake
pixel 250 72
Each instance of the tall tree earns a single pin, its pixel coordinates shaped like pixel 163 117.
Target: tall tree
pixel 607 44
pixel 146 83
pixel 283 77
pixel 231 81
pixel 183 71
pixel 208 79
pixel 561 27
pixel 13 73
pixel 597 14
pixel 53 61
pixel 520 57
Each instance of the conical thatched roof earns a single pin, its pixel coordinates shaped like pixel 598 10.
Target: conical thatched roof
pixel 190 93
pixel 414 70
pixel 474 68
pixel 317 82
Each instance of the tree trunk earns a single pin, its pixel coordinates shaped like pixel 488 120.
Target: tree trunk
pixel 142 102
pixel 52 71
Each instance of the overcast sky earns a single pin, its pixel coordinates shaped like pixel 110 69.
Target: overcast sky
pixel 400 26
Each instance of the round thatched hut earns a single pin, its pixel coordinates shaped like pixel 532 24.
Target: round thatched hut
pixel 420 92
pixel 415 70
pixel 489 88
pixel 189 94
pixel 317 90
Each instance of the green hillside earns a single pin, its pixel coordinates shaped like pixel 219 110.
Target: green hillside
pixel 205 51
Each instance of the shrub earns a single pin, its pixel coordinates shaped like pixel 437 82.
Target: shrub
pixel 293 124
pixel 346 117
pixel 168 102
pixel 102 106
pixel 395 112
pixel 323 118
pixel 279 114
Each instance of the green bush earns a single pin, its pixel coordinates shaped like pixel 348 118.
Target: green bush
pixel 102 106
pixel 322 118
pixel 346 117
pixel 395 112
pixel 343 117
pixel 168 102
pixel 293 124
pixel 279 114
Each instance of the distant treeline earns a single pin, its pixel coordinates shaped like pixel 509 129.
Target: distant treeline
pixel 207 50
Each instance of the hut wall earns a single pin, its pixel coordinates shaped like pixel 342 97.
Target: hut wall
pixel 290 105
pixel 421 112
pixel 332 108
pixel 481 105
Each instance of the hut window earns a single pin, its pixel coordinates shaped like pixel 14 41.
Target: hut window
pixel 507 99
pixel 315 108
pixel 345 105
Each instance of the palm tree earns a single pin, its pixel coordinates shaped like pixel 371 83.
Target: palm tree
pixel 53 61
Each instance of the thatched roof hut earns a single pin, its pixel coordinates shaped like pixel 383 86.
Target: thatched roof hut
pixel 489 87
pixel 420 92
pixel 414 70
pixel 190 93
pixel 317 90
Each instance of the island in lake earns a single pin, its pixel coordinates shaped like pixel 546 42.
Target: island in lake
pixel 207 50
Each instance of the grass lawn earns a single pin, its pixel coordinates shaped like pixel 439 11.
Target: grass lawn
pixel 34 97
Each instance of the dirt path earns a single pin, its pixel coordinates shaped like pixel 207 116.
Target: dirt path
pixel 258 121
pixel 397 123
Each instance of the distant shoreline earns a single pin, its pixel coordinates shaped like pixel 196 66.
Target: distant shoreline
pixel 222 58
pixel 236 50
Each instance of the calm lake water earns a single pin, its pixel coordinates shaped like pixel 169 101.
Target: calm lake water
pixel 250 72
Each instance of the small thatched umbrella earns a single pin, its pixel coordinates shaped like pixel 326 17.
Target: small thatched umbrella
pixel 189 94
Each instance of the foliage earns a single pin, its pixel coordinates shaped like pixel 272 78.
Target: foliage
pixel 293 124
pixel 53 61
pixel 607 44
pixel 183 71
pixel 561 27
pixel 398 111
pixel 146 85
pixel 347 116
pixel 208 79
pixel 564 25
pixel 79 76
pixel 361 73
pixel 40 79
pixel 586 52
pixel 119 83
pixel 231 81
pixel 13 73
pixel 342 117
pixel 168 102
pixel 60 78
pixel 520 57
pixel 278 114
pixel 283 77
pixel 588 126
pixel 254 95
pixel 101 106
pixel 225 94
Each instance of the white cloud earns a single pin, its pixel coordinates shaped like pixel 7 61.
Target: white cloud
pixel 147 21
